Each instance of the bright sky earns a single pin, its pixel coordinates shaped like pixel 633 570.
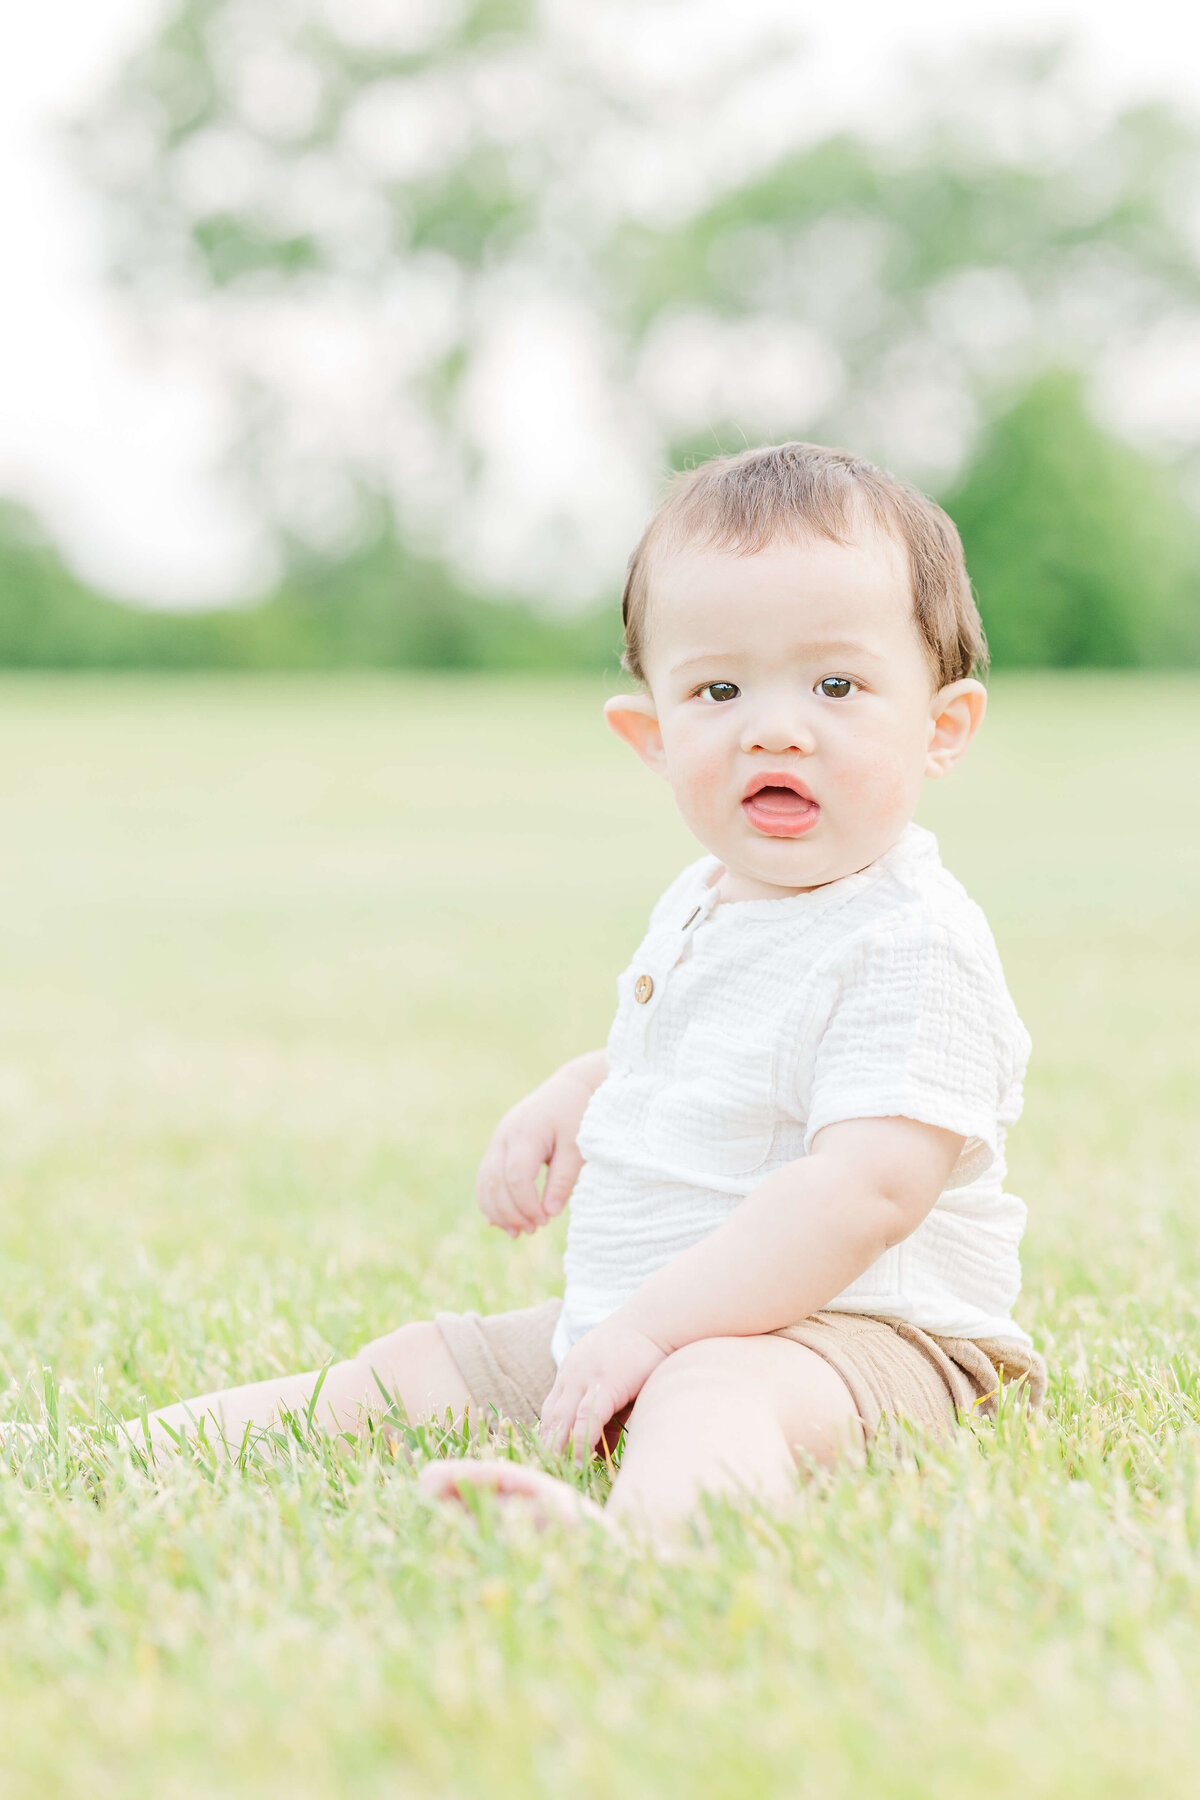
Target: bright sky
pixel 116 446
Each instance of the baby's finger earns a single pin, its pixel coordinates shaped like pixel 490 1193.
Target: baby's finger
pixel 548 1417
pixel 493 1188
pixel 493 1198
pixel 485 1185
pixel 559 1412
pixel 520 1186
pixel 562 1426
pixel 561 1177
pixel 590 1419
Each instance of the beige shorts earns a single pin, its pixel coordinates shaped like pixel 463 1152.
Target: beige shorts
pixel 895 1373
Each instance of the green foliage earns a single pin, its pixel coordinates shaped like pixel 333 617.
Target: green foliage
pixel 1081 551
pixel 233 248
pixel 382 607
pixel 50 620
pixel 1001 221
pixel 1080 548
pixel 386 607
pixel 920 218
pixel 471 213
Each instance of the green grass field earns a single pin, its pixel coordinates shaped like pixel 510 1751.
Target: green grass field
pixel 273 957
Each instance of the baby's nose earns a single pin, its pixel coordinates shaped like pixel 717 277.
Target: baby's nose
pixel 778 732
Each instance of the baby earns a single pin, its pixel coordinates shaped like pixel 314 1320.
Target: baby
pixel 788 1227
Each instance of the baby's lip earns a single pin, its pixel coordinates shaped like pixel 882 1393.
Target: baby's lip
pixel 776 780
pixel 778 805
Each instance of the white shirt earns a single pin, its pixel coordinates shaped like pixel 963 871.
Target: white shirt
pixel 743 1029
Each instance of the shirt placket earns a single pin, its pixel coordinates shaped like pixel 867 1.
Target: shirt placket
pixel 661 961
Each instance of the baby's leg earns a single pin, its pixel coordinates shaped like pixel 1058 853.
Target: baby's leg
pixel 730 1416
pixel 411 1365
pixel 723 1416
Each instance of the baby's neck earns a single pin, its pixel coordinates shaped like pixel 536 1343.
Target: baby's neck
pixel 732 886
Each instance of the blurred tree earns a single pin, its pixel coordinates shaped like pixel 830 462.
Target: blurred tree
pixel 380 607
pixel 49 619
pixel 1079 547
pixel 472 259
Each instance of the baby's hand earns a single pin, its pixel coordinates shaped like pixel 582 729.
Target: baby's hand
pixel 539 1130
pixel 601 1377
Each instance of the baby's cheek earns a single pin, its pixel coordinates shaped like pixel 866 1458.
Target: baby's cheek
pixel 700 779
pixel 880 784
pixel 696 799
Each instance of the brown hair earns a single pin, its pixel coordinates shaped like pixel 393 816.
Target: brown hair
pixel 745 502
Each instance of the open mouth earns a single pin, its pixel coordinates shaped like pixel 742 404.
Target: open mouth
pixel 780 806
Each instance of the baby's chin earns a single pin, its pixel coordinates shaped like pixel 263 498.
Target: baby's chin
pixel 772 868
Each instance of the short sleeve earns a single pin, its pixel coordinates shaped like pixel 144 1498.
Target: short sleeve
pixel 921 1027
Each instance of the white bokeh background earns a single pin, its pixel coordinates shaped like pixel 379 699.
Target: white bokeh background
pixel 116 434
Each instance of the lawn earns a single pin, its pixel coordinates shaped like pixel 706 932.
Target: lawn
pixel 273 957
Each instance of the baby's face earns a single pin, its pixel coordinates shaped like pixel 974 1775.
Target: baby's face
pixel 792 708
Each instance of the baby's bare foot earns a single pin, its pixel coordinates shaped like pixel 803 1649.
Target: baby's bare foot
pixel 543 1498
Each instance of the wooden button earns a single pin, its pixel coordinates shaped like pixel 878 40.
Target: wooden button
pixel 643 987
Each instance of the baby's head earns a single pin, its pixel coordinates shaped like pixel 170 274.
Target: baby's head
pixel 807 633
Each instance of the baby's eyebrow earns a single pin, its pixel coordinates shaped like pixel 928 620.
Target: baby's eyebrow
pixel 798 652
pixel 695 662
pixel 835 647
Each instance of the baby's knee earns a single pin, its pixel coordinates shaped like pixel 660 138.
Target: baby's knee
pixel 411 1367
pixel 695 1370
pixel 414 1340
pixel 387 1359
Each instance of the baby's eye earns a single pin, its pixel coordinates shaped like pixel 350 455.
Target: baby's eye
pixel 721 690
pixel 836 687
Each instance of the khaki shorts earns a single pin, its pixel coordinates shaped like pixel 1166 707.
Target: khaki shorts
pixel 895 1373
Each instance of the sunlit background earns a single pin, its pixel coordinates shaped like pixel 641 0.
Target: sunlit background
pixel 379 321
pixel 352 339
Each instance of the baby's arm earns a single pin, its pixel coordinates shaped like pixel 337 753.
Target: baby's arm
pixel 540 1129
pixel 796 1241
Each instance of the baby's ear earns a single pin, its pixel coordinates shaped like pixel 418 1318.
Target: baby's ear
pixel 955 715
pixel 632 717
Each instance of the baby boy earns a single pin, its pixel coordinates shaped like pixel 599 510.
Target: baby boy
pixel 788 1226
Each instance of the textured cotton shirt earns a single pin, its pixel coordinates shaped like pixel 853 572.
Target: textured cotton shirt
pixel 744 1028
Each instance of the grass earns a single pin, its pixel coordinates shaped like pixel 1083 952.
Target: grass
pixel 273 957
